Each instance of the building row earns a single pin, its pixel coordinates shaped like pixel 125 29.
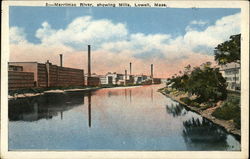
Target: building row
pixel 41 75
pixel 33 74
pixel 124 79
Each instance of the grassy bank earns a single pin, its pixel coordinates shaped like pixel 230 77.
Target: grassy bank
pixel 225 113
pixel 230 110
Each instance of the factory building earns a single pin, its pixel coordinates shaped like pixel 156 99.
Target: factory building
pixel 43 75
pixel 93 80
pixel 103 79
pixel 114 78
pixel 139 79
pixel 19 79
pixel 34 74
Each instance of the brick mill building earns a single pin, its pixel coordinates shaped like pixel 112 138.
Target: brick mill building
pixel 33 74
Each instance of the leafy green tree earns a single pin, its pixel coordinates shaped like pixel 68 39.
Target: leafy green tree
pixel 228 51
pixel 208 84
pixel 205 82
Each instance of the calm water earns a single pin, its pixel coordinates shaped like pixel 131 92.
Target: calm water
pixel 137 118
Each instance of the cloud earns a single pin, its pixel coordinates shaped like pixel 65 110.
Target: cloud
pixel 17 35
pixel 113 47
pixel 82 30
pixel 199 22
pixel 214 34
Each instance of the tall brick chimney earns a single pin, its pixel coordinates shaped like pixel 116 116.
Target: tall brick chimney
pixel 152 70
pixel 125 80
pixel 130 68
pixel 61 62
pixel 89 62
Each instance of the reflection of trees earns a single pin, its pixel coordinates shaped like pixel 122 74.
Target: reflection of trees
pixel 176 110
pixel 203 134
pixel 43 107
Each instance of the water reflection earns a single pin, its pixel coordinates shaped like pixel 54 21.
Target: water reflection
pixel 125 93
pixel 89 108
pixel 111 119
pixel 151 95
pixel 203 134
pixel 130 93
pixel 43 107
pixel 176 109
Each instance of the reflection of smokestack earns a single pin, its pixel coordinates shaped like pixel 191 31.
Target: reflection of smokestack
pixel 89 62
pixel 61 115
pixel 130 96
pixel 125 93
pixel 89 108
pixel 130 68
pixel 152 95
pixel 125 80
pixel 61 63
pixel 151 70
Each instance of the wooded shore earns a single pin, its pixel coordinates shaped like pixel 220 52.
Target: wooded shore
pixel 228 125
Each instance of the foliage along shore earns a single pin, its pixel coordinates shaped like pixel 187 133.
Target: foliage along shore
pixel 204 110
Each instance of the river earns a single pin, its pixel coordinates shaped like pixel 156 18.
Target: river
pixel 138 118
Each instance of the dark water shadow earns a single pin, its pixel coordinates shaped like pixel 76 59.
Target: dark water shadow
pixel 43 107
pixel 203 134
pixel 176 110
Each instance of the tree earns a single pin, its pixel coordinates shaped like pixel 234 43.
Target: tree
pixel 205 82
pixel 228 51
pixel 208 84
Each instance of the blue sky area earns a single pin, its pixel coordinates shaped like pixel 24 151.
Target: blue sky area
pixel 145 20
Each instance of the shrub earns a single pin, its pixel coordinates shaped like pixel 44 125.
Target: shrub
pixel 186 100
pixel 206 82
pixel 229 110
pixel 195 104
pixel 167 91
pixel 237 121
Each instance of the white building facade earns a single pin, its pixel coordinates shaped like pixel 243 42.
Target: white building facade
pixel 231 72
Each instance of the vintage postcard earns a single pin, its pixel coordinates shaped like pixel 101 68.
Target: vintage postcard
pixel 124 79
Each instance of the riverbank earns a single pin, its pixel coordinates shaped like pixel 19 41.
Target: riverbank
pixel 38 92
pixel 204 111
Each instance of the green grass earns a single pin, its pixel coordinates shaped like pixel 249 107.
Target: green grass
pixel 230 110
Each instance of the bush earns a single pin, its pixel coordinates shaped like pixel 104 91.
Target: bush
pixel 186 100
pixel 229 110
pixel 195 104
pixel 206 82
pixel 167 91
pixel 237 121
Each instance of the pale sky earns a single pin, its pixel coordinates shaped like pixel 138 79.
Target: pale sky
pixel 169 38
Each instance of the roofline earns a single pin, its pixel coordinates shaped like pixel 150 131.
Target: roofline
pixel 23 62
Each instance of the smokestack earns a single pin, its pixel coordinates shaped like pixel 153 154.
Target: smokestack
pixel 125 80
pixel 61 60
pixel 89 62
pixel 130 68
pixel 151 70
